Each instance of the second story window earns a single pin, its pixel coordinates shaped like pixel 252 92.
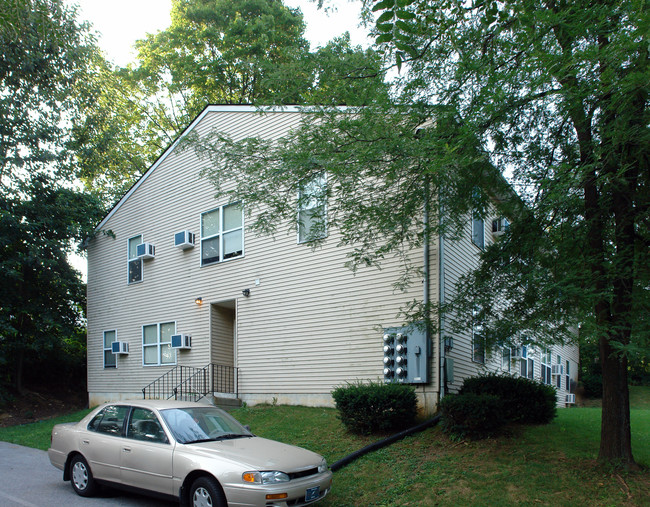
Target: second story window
pixel 222 234
pixel 478 231
pixel 134 262
pixel 312 209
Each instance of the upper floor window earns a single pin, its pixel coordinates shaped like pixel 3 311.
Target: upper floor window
pixel 109 357
pixel 157 344
pixel 478 231
pixel 134 262
pixel 312 209
pixel 222 234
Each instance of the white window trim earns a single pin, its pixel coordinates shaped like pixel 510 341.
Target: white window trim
pixel 221 234
pixel 508 366
pixel 476 220
pixel 104 348
pixel 546 366
pixel 129 259
pixel 299 209
pixel 157 345
pixel 476 324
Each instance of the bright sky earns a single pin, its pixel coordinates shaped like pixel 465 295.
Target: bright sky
pixel 121 22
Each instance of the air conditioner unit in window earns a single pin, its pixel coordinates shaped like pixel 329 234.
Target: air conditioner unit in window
pixel 184 240
pixel 120 348
pixel 181 341
pixel 499 226
pixel 557 369
pixel 146 251
pixel 570 399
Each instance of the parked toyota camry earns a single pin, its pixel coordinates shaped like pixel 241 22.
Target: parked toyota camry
pixel 195 453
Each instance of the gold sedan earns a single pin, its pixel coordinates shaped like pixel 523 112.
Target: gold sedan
pixel 194 453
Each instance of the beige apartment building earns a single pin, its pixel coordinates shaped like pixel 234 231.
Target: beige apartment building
pixel 184 300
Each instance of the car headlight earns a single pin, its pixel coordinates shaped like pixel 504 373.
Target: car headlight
pixel 271 477
pixel 323 466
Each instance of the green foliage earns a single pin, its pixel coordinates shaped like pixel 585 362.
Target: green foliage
pixel 375 407
pixel 42 298
pixel 45 56
pixel 524 400
pixel 472 415
pixel 559 92
pixel 214 52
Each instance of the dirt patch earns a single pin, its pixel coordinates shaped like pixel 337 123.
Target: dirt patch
pixel 41 402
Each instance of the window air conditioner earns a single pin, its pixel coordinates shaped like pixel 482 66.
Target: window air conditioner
pixel 499 226
pixel 571 399
pixel 146 251
pixel 557 369
pixel 181 341
pixel 120 348
pixel 184 240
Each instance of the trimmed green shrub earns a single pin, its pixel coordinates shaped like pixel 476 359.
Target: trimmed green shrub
pixel 524 400
pixel 471 415
pixel 375 407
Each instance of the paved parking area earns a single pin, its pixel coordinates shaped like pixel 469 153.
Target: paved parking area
pixel 29 480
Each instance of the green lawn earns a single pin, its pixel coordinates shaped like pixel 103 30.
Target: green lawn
pixel 542 465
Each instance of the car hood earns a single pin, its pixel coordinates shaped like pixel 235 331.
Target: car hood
pixel 257 453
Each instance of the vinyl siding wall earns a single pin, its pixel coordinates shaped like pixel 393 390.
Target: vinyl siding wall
pixel 461 255
pixel 309 324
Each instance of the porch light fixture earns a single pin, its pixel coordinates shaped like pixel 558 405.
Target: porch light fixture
pixel 246 292
pixel 198 301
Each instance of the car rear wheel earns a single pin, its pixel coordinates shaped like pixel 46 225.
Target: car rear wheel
pixel 81 477
pixel 206 492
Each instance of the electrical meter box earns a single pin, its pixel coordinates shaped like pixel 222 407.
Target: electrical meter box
pixel 406 355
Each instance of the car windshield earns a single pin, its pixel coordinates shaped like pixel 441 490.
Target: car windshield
pixel 202 424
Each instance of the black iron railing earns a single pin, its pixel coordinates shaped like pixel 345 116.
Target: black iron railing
pixel 190 383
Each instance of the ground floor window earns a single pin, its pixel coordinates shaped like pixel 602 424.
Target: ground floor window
pixel 546 366
pixel 157 344
pixel 109 357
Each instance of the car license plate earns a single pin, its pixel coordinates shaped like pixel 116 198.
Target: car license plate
pixel 312 493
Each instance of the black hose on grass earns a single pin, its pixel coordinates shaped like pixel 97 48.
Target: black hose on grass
pixel 383 443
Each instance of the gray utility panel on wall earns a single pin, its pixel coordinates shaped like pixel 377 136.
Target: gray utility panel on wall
pixel 406 355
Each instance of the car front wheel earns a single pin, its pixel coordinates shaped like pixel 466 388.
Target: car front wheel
pixel 81 477
pixel 206 492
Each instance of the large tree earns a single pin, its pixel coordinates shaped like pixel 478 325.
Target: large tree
pixel 214 52
pixel 554 92
pixel 44 54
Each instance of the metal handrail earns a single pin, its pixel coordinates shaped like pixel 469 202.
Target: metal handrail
pixel 189 381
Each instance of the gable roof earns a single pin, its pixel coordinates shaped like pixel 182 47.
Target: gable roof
pixel 213 108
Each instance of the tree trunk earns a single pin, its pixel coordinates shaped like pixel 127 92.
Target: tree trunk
pixel 615 434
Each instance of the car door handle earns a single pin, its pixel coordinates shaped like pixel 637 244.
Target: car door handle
pixel 85 442
pixel 126 449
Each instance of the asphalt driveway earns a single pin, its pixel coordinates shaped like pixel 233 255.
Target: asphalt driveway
pixel 29 480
